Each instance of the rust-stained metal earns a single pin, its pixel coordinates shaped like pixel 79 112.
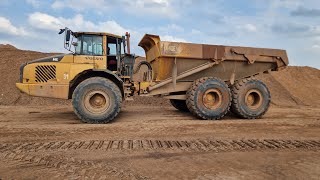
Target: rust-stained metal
pixel 169 88
pixel 156 49
pixel 176 97
pixel 183 75
pixel 253 99
pixel 97 101
pixel 174 62
pixel 212 99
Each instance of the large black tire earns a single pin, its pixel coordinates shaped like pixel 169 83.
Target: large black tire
pixel 97 100
pixel 181 105
pixel 250 98
pixel 209 98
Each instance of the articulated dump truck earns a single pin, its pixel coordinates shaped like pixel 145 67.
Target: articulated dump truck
pixel 206 80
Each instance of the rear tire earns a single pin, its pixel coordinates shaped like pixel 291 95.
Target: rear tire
pixel 209 98
pixel 181 105
pixel 97 100
pixel 250 98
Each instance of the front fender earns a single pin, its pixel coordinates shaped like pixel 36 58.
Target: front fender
pixel 89 73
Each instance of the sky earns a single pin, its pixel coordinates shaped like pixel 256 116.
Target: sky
pixel 293 25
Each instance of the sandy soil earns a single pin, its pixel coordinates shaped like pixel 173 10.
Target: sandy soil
pixel 158 142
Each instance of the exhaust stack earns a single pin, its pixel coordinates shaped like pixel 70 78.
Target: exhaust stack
pixel 128 42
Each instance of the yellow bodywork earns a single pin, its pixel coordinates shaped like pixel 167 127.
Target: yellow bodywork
pixel 143 87
pixel 66 70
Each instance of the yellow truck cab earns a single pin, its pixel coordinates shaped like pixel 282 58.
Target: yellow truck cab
pixel 93 55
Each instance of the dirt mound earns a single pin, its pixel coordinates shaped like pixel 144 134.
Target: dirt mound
pixel 7 47
pixel 10 60
pixel 294 86
pixel 290 87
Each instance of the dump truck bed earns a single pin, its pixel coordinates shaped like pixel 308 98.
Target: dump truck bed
pixel 162 54
pixel 186 62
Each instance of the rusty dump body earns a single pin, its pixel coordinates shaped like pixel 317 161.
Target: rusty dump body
pixel 176 65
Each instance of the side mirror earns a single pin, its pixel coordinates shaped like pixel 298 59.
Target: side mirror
pixel 68 35
pixel 61 31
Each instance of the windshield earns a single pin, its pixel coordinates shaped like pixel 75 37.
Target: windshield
pixel 78 47
pixel 89 45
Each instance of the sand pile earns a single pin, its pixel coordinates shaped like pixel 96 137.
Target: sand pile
pixel 290 87
pixel 10 60
pixel 294 86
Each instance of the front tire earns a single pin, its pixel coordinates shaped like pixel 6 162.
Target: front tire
pixel 209 98
pixel 97 100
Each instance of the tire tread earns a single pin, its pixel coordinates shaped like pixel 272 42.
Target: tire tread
pixel 191 104
pixel 102 80
pixel 235 106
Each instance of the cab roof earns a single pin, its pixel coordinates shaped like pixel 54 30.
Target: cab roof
pixel 97 33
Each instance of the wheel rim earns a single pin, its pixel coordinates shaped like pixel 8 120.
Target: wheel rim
pixel 253 99
pixel 212 99
pixel 97 102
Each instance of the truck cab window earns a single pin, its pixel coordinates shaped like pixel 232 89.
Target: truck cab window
pixel 112 48
pixel 90 45
pixel 97 47
pixel 87 45
pixel 78 47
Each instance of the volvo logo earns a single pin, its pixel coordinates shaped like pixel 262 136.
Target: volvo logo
pixel 94 58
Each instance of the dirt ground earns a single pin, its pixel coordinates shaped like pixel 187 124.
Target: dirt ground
pixel 158 142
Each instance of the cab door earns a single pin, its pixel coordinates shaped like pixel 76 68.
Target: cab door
pixel 91 51
pixel 99 52
pixel 112 54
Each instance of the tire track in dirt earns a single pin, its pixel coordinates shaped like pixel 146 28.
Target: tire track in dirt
pixel 72 168
pixel 30 153
pixel 167 145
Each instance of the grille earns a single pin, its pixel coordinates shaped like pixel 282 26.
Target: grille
pixel 45 73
